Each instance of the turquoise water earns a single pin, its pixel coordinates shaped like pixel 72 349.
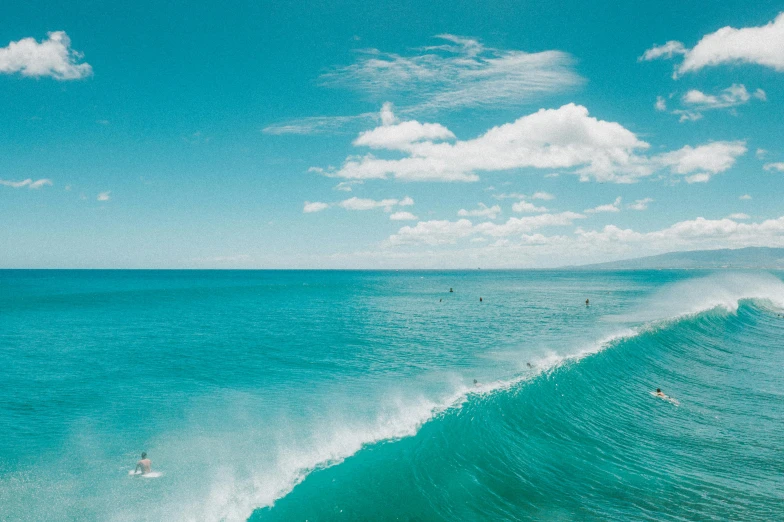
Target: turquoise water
pixel 307 395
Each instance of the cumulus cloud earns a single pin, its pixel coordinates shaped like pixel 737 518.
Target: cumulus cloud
pixel 104 196
pixel 762 45
pixel 440 232
pixel 402 216
pixel 774 166
pixel 50 57
pixel 550 138
pixel 345 186
pixel 697 101
pixel 398 136
pixel 432 233
pixel 615 206
pixel 527 207
pixel 315 206
pixel 698 164
pixel 543 195
pixel 661 104
pixel 566 138
pixel 29 183
pixel 641 204
pixel 482 211
pixel 356 203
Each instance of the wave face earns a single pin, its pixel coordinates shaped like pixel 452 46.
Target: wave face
pixel 331 395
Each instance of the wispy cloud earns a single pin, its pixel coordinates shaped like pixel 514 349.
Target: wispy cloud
pixel 104 196
pixel 460 72
pixel 356 203
pixel 52 57
pixel 29 183
pixel 456 73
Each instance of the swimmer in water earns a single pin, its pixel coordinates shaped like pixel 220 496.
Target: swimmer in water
pixel 529 365
pixel 476 383
pixel 145 465
pixel 660 394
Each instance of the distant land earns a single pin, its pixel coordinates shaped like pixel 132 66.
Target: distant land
pixel 750 257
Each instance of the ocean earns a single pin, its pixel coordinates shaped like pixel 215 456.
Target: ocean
pixel 383 395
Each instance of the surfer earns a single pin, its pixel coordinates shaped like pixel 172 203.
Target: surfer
pixel 145 465
pixel 480 299
pixel 587 302
pixel 660 394
pixel 529 365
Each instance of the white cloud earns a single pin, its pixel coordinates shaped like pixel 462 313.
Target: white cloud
pixel 482 211
pixel 696 101
pixel 543 195
pixel 432 233
pixel 615 206
pixel 398 136
pixel 51 57
pixel 703 161
pixel 440 232
pixel 402 216
pixel 29 183
pixel 661 104
pixel 641 204
pixel 461 72
pixel 761 153
pixel 319 124
pixel 734 95
pixel 700 177
pixel 509 195
pixel 565 138
pixel 550 138
pixel 763 45
pixel 738 215
pixel 104 196
pixel 315 206
pixel 667 50
pixel 745 197
pixel 370 204
pixel 345 186
pixel 774 166
pixel 526 206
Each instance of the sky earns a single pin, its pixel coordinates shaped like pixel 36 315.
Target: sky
pixel 402 134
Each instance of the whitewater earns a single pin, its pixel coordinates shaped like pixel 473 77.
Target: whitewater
pixel 356 395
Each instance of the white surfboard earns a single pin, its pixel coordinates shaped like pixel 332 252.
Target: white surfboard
pixel 152 474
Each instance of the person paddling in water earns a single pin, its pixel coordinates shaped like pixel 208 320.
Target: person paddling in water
pixel 145 465
pixel 660 394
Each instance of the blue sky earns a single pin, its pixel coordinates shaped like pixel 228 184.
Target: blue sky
pixel 401 134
